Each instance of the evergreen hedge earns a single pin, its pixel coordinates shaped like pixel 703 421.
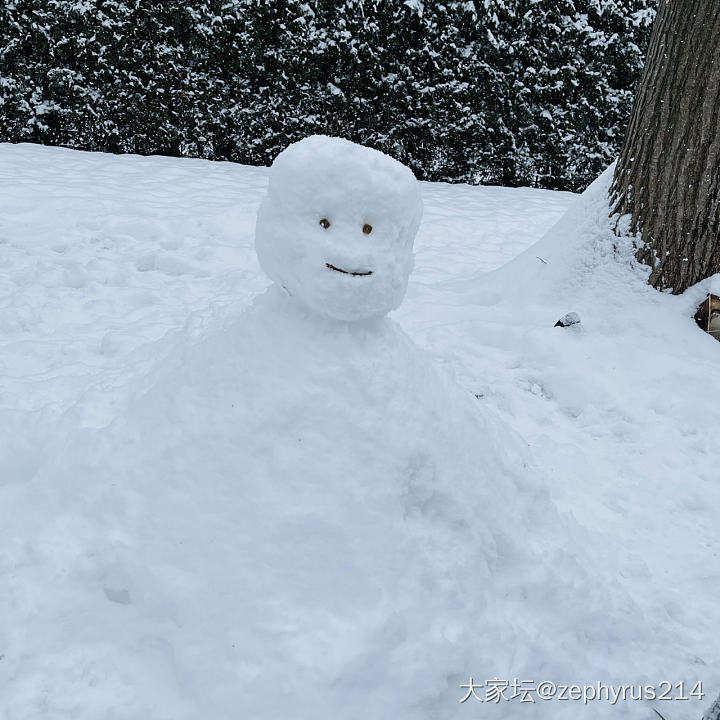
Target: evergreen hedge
pixel 515 92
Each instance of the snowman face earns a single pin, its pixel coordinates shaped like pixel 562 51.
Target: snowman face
pixel 337 226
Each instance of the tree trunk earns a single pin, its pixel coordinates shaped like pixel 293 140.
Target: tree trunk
pixel 668 175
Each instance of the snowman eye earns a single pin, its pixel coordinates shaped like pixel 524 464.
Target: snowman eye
pixel 367 229
pixel 324 223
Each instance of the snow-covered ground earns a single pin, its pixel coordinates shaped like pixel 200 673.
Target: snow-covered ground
pixel 124 283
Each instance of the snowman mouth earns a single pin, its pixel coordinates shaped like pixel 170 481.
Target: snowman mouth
pixel 356 273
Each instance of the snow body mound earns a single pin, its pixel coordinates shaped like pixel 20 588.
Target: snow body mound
pixel 298 516
pixel 337 226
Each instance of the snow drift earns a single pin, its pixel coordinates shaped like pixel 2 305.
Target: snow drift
pixel 179 540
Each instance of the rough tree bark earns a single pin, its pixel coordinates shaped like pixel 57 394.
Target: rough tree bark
pixel 668 175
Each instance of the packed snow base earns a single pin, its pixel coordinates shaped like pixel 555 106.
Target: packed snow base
pixel 151 566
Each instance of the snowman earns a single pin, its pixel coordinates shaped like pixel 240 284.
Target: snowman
pixel 298 515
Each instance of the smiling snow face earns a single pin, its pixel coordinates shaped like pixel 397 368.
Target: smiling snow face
pixel 337 226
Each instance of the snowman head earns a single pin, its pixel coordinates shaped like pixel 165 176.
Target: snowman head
pixel 337 226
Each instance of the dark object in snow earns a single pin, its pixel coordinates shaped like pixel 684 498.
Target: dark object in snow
pixel 708 315
pixel 714 712
pixel 120 596
pixel 572 318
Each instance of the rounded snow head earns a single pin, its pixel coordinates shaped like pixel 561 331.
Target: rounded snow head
pixel 337 226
